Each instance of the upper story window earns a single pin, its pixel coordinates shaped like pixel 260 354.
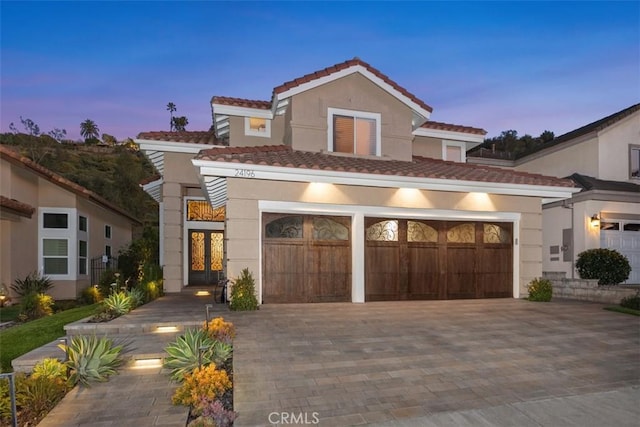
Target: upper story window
pixel 634 161
pixel 454 151
pixel 82 223
pixel 255 126
pixel 354 132
pixel 55 220
pixel 107 231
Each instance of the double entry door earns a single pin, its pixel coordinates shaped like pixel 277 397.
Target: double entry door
pixel 206 252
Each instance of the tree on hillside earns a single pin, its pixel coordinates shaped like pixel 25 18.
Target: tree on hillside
pixel 58 134
pixel 89 131
pixel 171 108
pixel 512 146
pixel 109 139
pixel 180 123
pixel 29 125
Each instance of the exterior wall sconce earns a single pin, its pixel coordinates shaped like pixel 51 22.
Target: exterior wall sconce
pixel 595 221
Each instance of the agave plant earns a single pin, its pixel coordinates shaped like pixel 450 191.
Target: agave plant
pixel 91 359
pixel 137 297
pixel 192 349
pixel 118 303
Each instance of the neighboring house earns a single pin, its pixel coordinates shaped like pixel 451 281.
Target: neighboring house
pixel 603 159
pixel 340 188
pixel 54 226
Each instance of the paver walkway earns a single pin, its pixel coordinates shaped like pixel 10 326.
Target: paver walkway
pixel 429 363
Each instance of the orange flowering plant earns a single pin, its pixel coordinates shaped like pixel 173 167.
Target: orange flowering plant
pixel 220 330
pixel 204 382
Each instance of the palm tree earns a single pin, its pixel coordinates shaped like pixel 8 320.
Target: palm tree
pixel 89 130
pixel 171 108
pixel 180 123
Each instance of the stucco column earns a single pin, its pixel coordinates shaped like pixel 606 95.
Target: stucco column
pixel 357 258
pixel 172 227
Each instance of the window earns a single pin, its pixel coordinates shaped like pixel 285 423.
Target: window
pixel 55 220
pixel 82 223
pixel 454 151
pixel 107 231
pixel 82 257
pixel 256 126
pixel 354 132
pixel 107 251
pixel 634 162
pixel 55 256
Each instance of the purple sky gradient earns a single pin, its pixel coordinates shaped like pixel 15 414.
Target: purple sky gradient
pixel 528 66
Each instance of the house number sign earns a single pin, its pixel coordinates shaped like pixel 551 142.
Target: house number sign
pixel 245 173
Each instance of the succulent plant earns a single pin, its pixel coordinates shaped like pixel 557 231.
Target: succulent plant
pixel 91 359
pixel 118 303
pixel 137 297
pixel 193 349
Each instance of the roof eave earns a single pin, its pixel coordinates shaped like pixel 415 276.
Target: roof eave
pixel 210 168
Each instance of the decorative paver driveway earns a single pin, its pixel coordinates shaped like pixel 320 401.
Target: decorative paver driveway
pixel 348 364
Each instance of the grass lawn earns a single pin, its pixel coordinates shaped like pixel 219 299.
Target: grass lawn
pixel 624 310
pixel 21 339
pixel 9 313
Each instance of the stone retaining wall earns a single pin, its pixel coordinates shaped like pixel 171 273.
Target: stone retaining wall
pixel 587 289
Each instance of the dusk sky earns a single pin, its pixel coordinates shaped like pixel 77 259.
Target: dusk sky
pixel 528 66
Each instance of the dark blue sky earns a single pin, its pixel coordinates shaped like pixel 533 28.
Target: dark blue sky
pixel 528 66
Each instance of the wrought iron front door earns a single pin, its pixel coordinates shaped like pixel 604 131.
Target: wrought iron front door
pixel 206 249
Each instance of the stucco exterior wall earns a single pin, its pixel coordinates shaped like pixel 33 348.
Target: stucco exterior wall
pixel 613 150
pixel 354 92
pixel 243 223
pixel 427 147
pixel 579 158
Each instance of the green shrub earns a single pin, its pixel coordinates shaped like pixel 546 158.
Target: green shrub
pixel 540 290
pixel 49 368
pixel 34 283
pixel 185 354
pixel 91 295
pixel 37 396
pixel 91 359
pixel 118 303
pixel 64 304
pixel 151 290
pixel 34 306
pixel 632 302
pixel 107 278
pixel 609 266
pixel 243 293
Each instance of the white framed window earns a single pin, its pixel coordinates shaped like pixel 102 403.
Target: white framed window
pixel 634 162
pixel 82 223
pixel 107 231
pixel 107 250
pixel 454 151
pixel 57 230
pixel 354 132
pixel 256 126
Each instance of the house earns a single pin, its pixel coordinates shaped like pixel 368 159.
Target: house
pixel 54 226
pixel 603 159
pixel 341 188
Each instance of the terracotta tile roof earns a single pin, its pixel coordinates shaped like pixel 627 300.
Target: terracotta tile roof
pixel 420 167
pixel 342 66
pixel 240 102
pixel 453 128
pixel 193 137
pixel 150 179
pixel 16 207
pixel 19 160
pixel 590 183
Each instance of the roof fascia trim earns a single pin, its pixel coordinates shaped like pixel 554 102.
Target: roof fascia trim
pixel 447 134
pixel 171 146
pixel 232 170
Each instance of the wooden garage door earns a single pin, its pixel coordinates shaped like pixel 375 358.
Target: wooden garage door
pixel 417 259
pixel 306 258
